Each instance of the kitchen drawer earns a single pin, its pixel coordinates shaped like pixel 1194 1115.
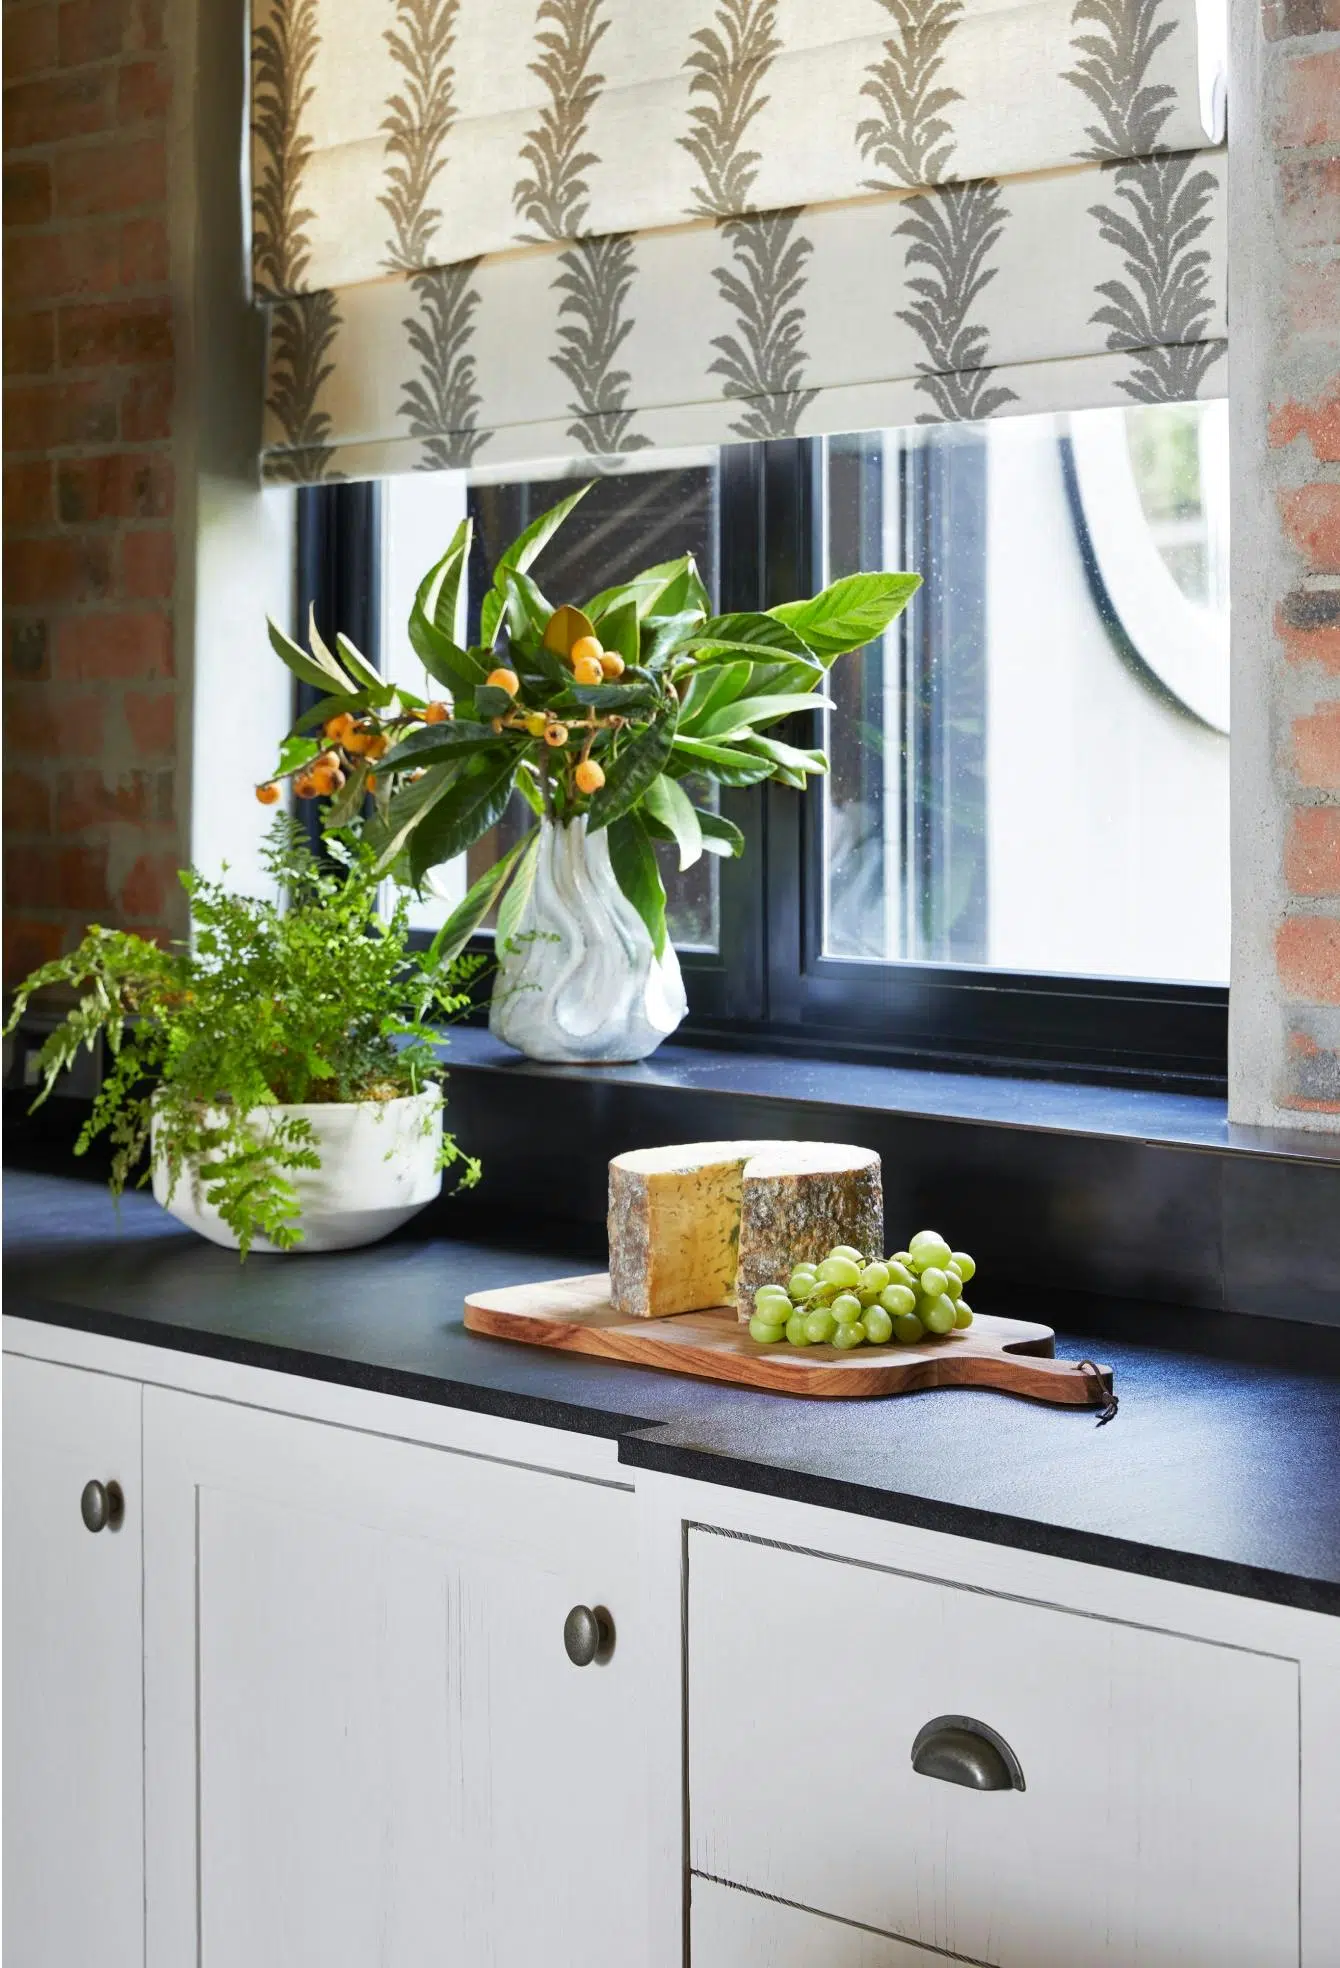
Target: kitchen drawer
pixel 734 1929
pixel 1159 1822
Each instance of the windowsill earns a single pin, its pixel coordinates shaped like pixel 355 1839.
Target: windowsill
pixel 1181 1120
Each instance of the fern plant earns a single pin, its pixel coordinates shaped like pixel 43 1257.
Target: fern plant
pixel 312 998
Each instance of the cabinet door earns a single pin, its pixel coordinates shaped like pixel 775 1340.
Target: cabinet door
pixel 734 1929
pixel 73 1765
pixel 365 1740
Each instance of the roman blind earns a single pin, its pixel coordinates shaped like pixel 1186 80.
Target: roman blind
pixel 496 231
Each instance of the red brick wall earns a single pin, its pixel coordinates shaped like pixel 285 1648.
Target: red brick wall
pixel 1301 108
pixel 90 806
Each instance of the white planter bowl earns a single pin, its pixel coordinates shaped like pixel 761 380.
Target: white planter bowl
pixel 378 1169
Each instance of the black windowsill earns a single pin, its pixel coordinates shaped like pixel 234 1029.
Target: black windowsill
pixel 1135 1114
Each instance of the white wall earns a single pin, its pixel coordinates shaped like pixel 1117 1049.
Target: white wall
pixel 1108 809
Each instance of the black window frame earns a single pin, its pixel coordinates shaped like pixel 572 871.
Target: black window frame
pixel 769 986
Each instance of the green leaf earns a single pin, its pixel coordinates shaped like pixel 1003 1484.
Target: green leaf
pixel 710 688
pixel 523 550
pixel 719 836
pixel 849 613
pixel 387 835
pixel 789 762
pixel 474 802
pixel 303 666
pixel 641 758
pixel 360 669
pixel 619 631
pixel 663 636
pixel 747 713
pixel 526 609
pixel 530 793
pixel 324 658
pixel 615 696
pixel 633 860
pixel 491 701
pixel 466 917
pixel 723 763
pixel 458 669
pixel 645 590
pixel 436 742
pixel 686 591
pixel 749 634
pixel 512 907
pixel 444 602
pixel 346 803
pixel 329 707
pixel 294 754
pixel 674 809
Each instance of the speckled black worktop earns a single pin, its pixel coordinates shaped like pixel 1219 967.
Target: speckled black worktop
pixel 1218 1472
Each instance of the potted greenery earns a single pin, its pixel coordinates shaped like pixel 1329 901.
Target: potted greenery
pixel 598 715
pixel 281 1070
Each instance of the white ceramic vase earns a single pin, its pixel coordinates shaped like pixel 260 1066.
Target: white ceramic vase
pixel 378 1169
pixel 582 981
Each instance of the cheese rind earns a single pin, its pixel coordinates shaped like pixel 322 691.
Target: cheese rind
pixel 707 1223
pixel 674 1227
pixel 798 1199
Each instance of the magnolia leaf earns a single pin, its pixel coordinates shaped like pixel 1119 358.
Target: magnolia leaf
pixel 325 660
pixel 565 626
pixel 303 666
pixel 641 758
pixel 442 595
pixel 512 907
pixel 528 613
pixel 445 661
pixel 387 834
pixel 295 753
pixel 650 587
pixel 466 917
pixel 849 613
pixel 750 633
pixel 492 701
pixel 725 764
pixel 329 707
pixel 474 802
pixel 748 712
pixel 671 805
pixel 359 667
pixel 349 799
pixel 633 860
pixel 519 555
pixel 619 631
pixel 436 742
pixel 615 696
pixel 719 836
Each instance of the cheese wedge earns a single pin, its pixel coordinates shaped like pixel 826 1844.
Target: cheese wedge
pixel 707 1223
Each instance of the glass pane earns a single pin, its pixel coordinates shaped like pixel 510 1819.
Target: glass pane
pixel 1030 770
pixel 625 523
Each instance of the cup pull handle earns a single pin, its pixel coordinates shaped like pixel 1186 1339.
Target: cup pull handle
pixel 958 1749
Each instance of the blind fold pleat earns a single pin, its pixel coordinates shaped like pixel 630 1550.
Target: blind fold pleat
pixel 519 230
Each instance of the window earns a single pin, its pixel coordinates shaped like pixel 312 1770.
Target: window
pixel 1020 858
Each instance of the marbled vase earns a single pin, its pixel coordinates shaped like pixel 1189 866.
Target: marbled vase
pixel 581 980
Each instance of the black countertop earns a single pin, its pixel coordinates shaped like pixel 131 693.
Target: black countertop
pixel 1222 1472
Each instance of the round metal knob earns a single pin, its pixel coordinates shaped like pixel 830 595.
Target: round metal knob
pixel 588 1635
pixel 958 1749
pixel 102 1506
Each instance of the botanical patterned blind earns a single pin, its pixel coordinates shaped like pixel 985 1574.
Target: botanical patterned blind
pixel 515 231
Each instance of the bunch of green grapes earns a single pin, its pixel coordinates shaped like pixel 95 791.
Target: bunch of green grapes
pixel 849 1300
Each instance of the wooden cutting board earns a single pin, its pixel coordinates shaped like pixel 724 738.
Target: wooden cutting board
pixel 574 1315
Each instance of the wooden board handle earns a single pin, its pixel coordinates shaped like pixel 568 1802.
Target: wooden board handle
pixel 1073 1383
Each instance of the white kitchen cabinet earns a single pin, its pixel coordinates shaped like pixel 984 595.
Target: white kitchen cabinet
pixel 1157 1815
pixel 73 1747
pixel 735 1929
pixel 1158 1818
pixel 365 1740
